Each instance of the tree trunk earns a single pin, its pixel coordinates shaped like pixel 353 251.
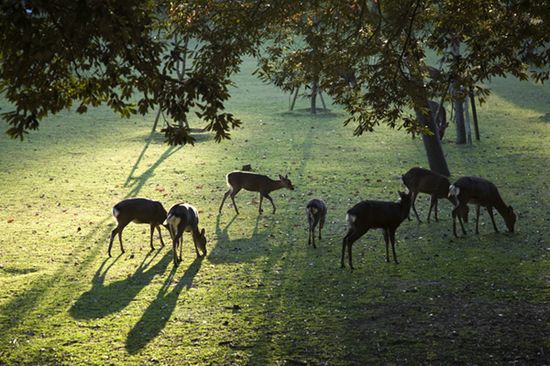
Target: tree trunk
pixel 314 91
pixel 432 144
pixel 458 101
pixel 467 127
pixel 474 113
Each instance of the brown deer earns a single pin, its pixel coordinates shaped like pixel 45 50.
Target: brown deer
pixel 375 215
pixel 480 192
pixel 140 211
pixel 255 183
pixel 184 218
pixel 316 210
pixel 420 180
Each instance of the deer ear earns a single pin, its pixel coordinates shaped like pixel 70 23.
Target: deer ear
pixel 202 231
pixel 510 207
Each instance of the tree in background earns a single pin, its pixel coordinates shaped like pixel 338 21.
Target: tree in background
pixel 88 53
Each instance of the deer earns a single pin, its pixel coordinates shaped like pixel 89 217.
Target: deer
pixel 420 180
pixel 140 211
pixel 181 218
pixel 316 211
pixel 372 214
pixel 254 182
pixel 480 192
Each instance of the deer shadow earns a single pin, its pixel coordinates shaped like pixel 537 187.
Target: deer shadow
pixel 236 250
pixel 102 300
pixel 156 315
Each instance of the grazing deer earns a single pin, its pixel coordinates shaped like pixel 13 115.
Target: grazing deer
pixel 376 215
pixel 420 180
pixel 255 183
pixel 140 211
pixel 181 218
pixel 480 192
pixel 316 210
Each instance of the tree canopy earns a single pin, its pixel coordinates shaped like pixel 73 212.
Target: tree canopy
pixel 82 53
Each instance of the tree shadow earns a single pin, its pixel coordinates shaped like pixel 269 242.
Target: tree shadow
pixel 136 183
pixel 102 300
pixel 236 250
pixel 156 316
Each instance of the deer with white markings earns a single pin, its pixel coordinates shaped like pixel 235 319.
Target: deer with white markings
pixel 185 218
pixel 420 180
pixel 254 182
pixel 480 192
pixel 375 215
pixel 140 211
pixel 316 210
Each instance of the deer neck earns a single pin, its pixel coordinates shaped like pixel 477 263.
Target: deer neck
pixel 501 207
pixel 274 185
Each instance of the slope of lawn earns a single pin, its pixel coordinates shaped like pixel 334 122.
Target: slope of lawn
pixel 262 296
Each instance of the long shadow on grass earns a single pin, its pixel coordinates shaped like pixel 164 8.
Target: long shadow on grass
pixel 137 183
pixel 102 300
pixel 236 250
pixel 14 312
pixel 156 316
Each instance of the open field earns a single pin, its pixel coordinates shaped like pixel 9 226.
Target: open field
pixel 262 296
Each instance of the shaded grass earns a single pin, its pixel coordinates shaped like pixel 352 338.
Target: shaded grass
pixel 262 296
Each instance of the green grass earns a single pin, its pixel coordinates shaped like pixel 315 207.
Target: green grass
pixel 262 296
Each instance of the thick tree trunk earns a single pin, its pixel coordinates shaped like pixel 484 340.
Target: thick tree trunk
pixel 432 144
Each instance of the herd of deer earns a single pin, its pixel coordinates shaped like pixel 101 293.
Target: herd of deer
pixel 363 216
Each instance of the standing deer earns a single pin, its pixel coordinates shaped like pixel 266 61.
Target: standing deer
pixel 140 211
pixel 316 210
pixel 480 192
pixel 255 183
pixel 184 218
pixel 376 215
pixel 420 180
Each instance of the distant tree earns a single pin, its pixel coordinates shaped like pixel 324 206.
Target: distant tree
pixel 385 42
pixel 85 53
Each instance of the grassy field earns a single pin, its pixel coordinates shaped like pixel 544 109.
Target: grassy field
pixel 262 296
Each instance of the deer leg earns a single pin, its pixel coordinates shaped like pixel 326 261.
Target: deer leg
pixel 414 194
pixel 223 200
pixel 113 233
pixel 232 195
pixel 386 238
pixel 120 239
pixel 456 214
pixel 313 224
pixel 461 224
pixel 392 239
pixel 152 232
pixel 261 200
pixel 270 200
pixel 175 242
pixel 181 246
pixel 477 219
pixel 195 240
pixel 435 209
pixel 433 200
pixel 308 231
pixel 349 239
pixel 160 236
pixel 490 210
